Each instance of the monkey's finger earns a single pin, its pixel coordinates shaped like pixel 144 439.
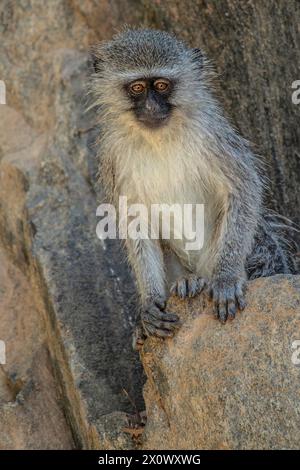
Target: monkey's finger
pixel 171 317
pixel 194 286
pixel 239 294
pixel 164 316
pixel 208 291
pixel 160 303
pixel 192 290
pixel 215 307
pixel 202 285
pixel 161 333
pixel 182 288
pixel 231 308
pixel 222 313
pixel 188 287
pixel 164 325
pixel 173 289
pixel 222 307
pixel 214 295
pixel 231 303
pixel 241 302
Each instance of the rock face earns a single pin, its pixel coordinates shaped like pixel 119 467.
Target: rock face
pixel 232 386
pixel 69 299
pixel 31 415
pixel 83 287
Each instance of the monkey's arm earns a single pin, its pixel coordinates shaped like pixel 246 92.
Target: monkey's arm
pixel 146 259
pixel 236 235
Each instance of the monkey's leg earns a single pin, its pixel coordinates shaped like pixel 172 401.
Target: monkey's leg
pixel 145 256
pixel 228 283
pixel 188 286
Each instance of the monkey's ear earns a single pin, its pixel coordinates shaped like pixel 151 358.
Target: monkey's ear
pixel 198 57
pixel 96 62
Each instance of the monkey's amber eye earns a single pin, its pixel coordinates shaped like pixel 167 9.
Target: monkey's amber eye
pixel 137 88
pixel 161 85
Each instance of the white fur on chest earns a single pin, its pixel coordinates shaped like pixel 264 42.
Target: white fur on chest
pixel 158 174
pixel 161 175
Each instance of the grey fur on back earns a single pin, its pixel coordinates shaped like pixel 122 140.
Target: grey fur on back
pixel 274 250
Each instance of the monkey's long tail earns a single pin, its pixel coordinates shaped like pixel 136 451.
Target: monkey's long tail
pixel 274 251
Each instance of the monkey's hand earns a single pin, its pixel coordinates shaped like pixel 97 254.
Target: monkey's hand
pixel 155 321
pixel 188 286
pixel 228 295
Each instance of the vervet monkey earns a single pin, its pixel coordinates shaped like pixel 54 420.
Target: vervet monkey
pixel 164 139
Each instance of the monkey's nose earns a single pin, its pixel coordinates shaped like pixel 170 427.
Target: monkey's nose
pixel 152 106
pixel 148 106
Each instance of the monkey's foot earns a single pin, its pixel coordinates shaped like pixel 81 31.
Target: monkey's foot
pixel 188 286
pixel 157 322
pixel 228 297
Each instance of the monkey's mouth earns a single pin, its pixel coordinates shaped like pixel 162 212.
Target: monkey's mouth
pixel 154 122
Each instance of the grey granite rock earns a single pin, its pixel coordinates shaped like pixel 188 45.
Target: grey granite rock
pixel 233 386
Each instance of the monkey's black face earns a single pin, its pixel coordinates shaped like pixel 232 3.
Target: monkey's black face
pixel 150 100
